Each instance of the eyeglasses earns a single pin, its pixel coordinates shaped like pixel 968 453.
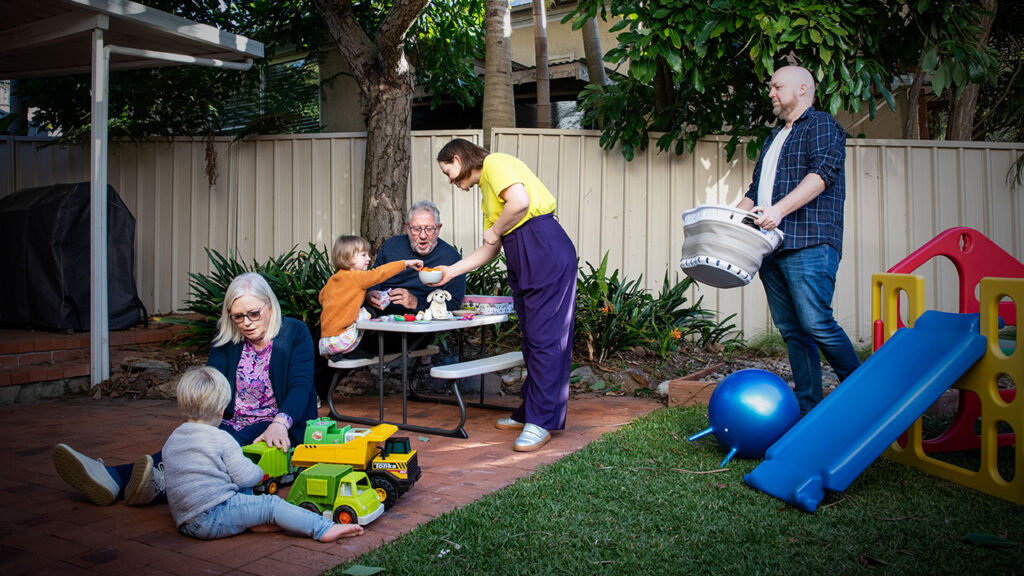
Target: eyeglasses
pixel 430 230
pixel 252 315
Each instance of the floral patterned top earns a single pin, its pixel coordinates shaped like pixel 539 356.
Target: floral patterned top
pixel 254 397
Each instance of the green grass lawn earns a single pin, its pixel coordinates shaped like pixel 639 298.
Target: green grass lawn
pixel 643 500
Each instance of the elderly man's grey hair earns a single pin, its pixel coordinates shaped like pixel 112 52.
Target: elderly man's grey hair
pixel 424 206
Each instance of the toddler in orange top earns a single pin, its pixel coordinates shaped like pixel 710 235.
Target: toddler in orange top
pixel 341 299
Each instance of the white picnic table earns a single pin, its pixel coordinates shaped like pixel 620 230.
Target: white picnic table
pixel 453 371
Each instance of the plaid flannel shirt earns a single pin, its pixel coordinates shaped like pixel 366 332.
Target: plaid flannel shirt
pixel 816 144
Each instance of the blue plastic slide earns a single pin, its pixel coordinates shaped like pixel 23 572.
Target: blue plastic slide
pixel 830 446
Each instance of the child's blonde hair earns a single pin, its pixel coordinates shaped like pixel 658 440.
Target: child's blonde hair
pixel 203 393
pixel 346 248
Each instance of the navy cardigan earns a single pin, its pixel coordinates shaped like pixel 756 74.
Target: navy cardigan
pixel 291 374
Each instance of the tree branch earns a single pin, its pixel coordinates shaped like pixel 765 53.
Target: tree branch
pixel 391 34
pixel 999 101
pixel 349 37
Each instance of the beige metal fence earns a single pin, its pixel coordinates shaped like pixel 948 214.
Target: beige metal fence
pixel 274 192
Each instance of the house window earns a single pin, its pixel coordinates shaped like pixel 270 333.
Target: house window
pixel 283 97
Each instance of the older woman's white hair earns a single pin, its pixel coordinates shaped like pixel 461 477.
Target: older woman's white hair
pixel 248 284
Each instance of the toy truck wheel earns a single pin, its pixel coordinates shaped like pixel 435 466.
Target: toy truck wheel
pixel 310 506
pixel 387 492
pixel 271 487
pixel 345 515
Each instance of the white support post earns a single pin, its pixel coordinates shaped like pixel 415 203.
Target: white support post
pixel 99 317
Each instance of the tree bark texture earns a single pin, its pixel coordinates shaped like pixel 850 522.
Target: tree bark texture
pixel 912 124
pixel 540 50
pixel 593 52
pixel 499 109
pixel 961 116
pixel 664 93
pixel 385 78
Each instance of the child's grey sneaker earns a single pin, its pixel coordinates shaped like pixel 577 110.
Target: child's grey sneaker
pixel 87 475
pixel 508 424
pixel 146 483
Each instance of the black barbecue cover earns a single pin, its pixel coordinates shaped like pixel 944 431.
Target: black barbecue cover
pixel 44 255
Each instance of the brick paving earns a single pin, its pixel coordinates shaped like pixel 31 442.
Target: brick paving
pixel 47 528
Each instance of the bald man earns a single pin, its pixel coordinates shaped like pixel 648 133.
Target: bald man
pixel 799 186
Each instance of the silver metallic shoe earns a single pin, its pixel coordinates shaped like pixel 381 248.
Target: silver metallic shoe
pixel 508 424
pixel 87 475
pixel 532 438
pixel 146 483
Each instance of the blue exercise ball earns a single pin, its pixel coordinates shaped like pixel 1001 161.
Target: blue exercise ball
pixel 749 411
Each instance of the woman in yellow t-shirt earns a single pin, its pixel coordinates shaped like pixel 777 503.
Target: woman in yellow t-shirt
pixel 519 217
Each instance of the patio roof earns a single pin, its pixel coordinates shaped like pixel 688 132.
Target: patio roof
pixel 55 37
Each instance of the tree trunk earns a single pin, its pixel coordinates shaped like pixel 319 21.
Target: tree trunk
pixel 664 92
pixel 540 49
pixel 388 141
pixel 499 109
pixel 961 116
pixel 912 123
pixel 385 78
pixel 595 56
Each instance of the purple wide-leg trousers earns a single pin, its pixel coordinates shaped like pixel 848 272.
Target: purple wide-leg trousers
pixel 542 274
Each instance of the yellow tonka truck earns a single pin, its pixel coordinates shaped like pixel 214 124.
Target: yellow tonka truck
pixel 389 461
pixel 276 464
pixel 337 491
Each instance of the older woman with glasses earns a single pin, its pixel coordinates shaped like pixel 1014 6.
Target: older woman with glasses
pixel 267 359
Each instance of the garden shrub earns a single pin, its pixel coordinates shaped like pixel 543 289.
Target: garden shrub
pixel 296 277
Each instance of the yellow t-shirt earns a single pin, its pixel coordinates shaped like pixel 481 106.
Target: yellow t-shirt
pixel 501 171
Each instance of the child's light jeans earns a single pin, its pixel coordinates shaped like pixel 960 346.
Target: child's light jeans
pixel 243 511
pixel 345 341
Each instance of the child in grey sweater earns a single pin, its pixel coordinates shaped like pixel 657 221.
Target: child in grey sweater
pixel 209 481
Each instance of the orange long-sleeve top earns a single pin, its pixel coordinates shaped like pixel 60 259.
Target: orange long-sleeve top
pixel 345 292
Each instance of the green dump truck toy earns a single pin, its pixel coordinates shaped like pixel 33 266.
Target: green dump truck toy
pixel 276 464
pixel 389 461
pixel 337 491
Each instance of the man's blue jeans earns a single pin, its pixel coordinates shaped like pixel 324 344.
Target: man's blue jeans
pixel 800 285
pixel 244 510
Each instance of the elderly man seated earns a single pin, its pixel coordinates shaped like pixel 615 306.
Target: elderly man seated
pixel 404 293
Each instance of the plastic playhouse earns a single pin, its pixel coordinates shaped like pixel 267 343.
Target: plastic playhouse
pixel 999 280
pixel 885 398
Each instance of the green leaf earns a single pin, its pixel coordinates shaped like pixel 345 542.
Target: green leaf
pixel 698 82
pixel 825 53
pixel 642 70
pixel 959 76
pixel 888 97
pixel 673 36
pixel 674 60
pixel 815 35
pixel 701 43
pixel 835 103
pixel 844 72
pixel 931 58
pixel 940 80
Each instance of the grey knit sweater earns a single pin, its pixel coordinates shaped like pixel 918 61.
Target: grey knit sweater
pixel 203 466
